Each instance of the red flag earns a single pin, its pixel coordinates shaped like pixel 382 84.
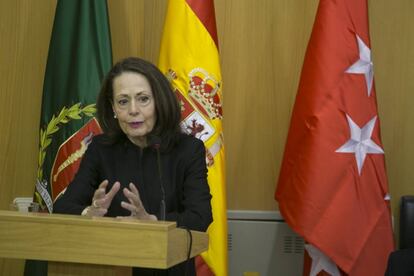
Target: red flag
pixel 333 187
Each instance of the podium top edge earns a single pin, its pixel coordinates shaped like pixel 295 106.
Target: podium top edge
pixel 6 215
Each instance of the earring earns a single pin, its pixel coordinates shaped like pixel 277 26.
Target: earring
pixel 114 116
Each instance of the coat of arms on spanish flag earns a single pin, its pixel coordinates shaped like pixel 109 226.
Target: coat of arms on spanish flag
pixel 190 59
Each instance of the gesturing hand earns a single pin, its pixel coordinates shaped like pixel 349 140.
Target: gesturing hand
pixel 135 204
pixel 102 200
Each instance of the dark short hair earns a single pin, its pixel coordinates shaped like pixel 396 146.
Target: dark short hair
pixel 167 108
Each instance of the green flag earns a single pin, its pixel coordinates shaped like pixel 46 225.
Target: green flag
pixel 79 57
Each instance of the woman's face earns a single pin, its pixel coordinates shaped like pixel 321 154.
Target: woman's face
pixel 134 106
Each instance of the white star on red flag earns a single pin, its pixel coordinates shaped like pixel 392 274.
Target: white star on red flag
pixel 360 141
pixel 321 262
pixel 364 64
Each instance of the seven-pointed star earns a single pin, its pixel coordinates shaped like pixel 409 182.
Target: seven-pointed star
pixel 364 64
pixel 320 262
pixel 360 141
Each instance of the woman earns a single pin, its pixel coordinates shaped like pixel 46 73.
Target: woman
pixel 142 166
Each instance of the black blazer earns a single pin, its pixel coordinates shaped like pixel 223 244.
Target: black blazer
pixel 184 175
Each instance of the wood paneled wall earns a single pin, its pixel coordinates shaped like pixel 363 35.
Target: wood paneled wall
pixel 25 36
pixel 262 44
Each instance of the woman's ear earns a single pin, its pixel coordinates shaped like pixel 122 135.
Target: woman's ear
pixel 113 110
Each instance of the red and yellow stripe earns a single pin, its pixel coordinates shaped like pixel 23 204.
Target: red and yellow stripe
pixel 189 48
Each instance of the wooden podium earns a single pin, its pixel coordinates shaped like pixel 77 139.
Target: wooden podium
pixel 95 245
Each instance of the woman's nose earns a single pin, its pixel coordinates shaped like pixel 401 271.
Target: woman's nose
pixel 133 108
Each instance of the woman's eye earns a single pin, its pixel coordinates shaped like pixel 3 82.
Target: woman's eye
pixel 122 102
pixel 143 99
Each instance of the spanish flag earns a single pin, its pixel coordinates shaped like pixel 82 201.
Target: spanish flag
pixel 189 57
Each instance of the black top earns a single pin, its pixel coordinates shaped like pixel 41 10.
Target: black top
pixel 184 176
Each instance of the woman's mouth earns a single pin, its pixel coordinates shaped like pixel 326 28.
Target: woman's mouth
pixel 135 124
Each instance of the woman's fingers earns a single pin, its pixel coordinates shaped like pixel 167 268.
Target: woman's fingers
pixel 99 193
pixel 97 212
pixel 135 205
pixel 102 200
pixel 110 195
pixel 147 217
pixel 115 188
pixel 133 188
pixel 103 184
pixel 133 195
pixel 130 207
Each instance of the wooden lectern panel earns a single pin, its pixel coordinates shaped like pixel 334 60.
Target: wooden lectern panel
pixel 104 241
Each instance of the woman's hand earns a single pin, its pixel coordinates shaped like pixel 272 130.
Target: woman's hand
pixel 135 205
pixel 102 200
